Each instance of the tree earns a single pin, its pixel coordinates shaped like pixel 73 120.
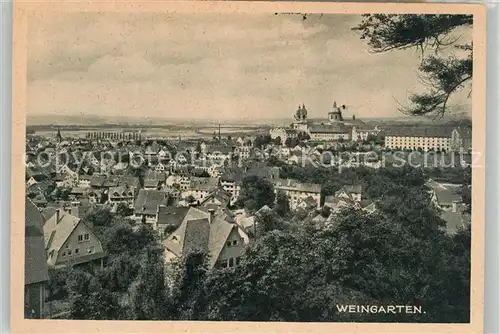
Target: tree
pixel 65 194
pixel 303 136
pixel 442 75
pixel 282 205
pixel 149 299
pixel 198 149
pixel 296 272
pixel 122 237
pixel 268 221
pixel 465 192
pixel 57 284
pixel 255 193
pixel 262 140
pixel 277 141
pixel 325 211
pixel 98 217
pixel 124 210
pixel 188 275
pixel 88 300
pixel 119 273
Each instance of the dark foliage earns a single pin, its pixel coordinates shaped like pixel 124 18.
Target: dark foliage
pixel 255 193
pixel 442 75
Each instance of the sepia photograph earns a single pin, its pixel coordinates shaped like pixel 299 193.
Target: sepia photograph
pixel 270 166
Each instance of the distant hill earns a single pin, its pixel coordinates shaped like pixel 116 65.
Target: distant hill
pixel 63 120
pixel 88 120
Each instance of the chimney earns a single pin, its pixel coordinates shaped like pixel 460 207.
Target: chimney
pixel 454 205
pixel 211 213
pixel 58 215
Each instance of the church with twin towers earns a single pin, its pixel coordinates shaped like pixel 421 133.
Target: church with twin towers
pixel 336 127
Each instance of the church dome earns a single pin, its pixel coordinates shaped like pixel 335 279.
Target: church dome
pixel 301 113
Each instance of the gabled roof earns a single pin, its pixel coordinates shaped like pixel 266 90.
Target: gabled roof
pixel 110 182
pixel 56 233
pixel 40 199
pixel 262 210
pixel 336 202
pixel 147 201
pixel 220 230
pixel 97 180
pixel 156 175
pixel 418 131
pixel 329 128
pixel 84 177
pixel 219 194
pixel 129 180
pixel 195 230
pixel 237 174
pixel 121 191
pixel 446 194
pixel 309 201
pixel 175 242
pixel 204 183
pixel 218 148
pixel 151 183
pixel 171 215
pixel 35 261
pixel 48 212
pixel 196 236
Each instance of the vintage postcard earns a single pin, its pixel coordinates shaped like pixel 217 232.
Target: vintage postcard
pixel 248 167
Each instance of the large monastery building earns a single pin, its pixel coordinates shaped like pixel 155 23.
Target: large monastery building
pixel 335 128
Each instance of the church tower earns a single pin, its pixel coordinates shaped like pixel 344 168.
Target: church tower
pixel 336 114
pixel 300 116
pixel 58 136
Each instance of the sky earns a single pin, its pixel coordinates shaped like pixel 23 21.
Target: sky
pixel 209 66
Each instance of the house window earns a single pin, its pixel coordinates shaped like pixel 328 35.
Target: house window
pixel 87 236
pixel 77 251
pixel 223 263
pixel 69 252
pixel 238 260
pixel 231 262
pixel 91 250
pixel 235 242
pixel 64 254
pixel 229 244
